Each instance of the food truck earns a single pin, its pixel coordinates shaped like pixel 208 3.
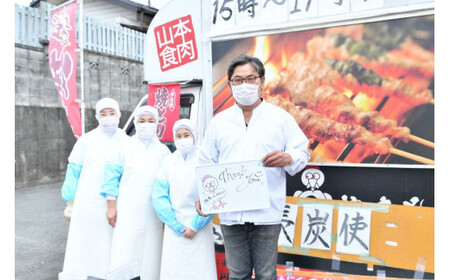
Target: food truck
pixel 358 78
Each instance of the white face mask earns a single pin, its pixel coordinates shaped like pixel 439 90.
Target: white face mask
pixel 109 124
pixel 245 94
pixel 185 145
pixel 146 131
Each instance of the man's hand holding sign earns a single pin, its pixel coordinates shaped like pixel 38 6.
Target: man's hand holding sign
pixel 236 186
pixel 277 159
pixel 209 183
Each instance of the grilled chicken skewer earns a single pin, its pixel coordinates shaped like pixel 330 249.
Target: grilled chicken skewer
pixel 319 128
pixel 408 58
pixel 313 91
pixel 328 101
pixel 350 74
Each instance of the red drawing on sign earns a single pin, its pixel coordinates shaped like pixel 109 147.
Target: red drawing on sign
pixel 175 43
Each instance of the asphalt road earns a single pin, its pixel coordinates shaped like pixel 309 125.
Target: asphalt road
pixel 40 232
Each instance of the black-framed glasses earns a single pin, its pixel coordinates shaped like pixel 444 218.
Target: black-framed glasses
pixel 249 80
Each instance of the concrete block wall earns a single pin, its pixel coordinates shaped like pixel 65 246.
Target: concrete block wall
pixel 43 137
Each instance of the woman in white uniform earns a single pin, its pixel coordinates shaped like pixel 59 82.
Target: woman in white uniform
pixel 188 246
pixel 129 176
pixel 89 238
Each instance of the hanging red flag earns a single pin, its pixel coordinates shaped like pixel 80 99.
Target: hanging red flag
pixel 166 99
pixel 63 62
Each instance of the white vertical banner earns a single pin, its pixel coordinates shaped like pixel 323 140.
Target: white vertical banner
pixel 317 226
pixel 353 235
pixel 288 224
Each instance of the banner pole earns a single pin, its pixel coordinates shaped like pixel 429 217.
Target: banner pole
pixel 81 49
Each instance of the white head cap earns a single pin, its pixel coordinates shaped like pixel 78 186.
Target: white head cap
pixel 106 103
pixel 146 109
pixel 185 123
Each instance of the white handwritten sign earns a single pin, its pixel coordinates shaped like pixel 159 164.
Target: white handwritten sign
pixel 129 271
pixel 302 9
pixel 235 14
pixel 229 187
pixel 271 12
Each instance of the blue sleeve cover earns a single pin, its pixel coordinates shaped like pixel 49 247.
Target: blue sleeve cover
pixel 111 179
pixel 199 222
pixel 163 206
pixel 70 184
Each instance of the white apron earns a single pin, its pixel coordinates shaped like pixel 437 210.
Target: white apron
pixel 89 239
pixel 183 258
pixel 137 237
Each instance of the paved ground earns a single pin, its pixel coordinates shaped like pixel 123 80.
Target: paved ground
pixel 40 232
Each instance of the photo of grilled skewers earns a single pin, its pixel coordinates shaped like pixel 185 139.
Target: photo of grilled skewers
pixel 361 93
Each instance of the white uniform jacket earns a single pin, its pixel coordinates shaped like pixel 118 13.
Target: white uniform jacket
pixel 228 139
pixel 174 198
pixel 89 238
pixel 130 175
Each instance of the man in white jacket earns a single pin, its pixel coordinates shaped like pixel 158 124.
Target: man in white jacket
pixel 254 129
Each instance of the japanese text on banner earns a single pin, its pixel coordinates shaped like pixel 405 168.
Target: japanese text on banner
pixel 166 99
pixel 175 43
pixel 63 62
pixel 228 14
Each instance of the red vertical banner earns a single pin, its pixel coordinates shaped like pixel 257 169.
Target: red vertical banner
pixel 63 62
pixel 166 99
